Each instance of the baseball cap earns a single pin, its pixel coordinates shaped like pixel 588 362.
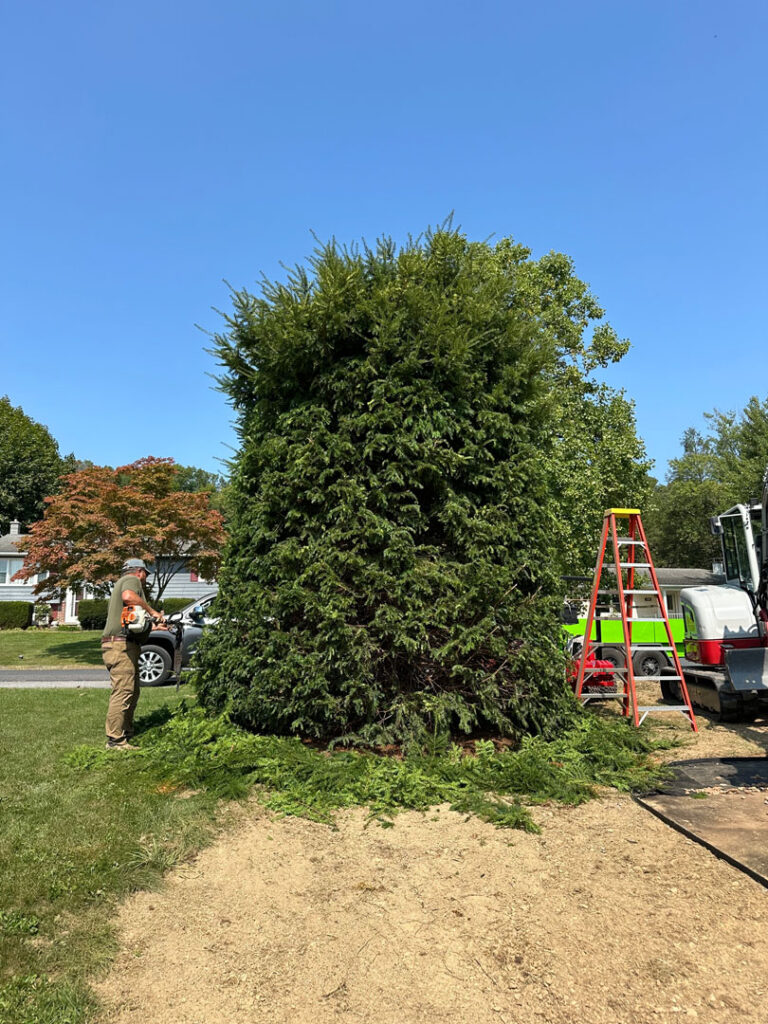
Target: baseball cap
pixel 133 564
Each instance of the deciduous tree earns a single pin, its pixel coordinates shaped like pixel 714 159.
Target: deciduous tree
pixel 30 465
pixel 103 516
pixel 717 469
pixel 192 478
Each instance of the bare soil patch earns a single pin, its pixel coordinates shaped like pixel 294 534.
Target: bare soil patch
pixel 607 917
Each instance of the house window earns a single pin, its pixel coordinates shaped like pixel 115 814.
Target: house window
pixel 9 566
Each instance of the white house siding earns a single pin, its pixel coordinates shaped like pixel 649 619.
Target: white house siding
pixel 12 551
pixel 16 592
pixel 182 583
pixel 181 586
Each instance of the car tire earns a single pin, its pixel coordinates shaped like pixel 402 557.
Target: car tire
pixel 649 663
pixel 155 665
pixel 615 655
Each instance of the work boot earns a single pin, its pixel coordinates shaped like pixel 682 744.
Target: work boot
pixel 121 745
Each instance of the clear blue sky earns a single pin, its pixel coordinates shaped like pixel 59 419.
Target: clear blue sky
pixel 151 150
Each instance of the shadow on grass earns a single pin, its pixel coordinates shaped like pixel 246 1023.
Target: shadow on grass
pixel 154 719
pixel 86 652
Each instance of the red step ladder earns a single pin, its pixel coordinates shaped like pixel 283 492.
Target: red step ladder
pixel 636 556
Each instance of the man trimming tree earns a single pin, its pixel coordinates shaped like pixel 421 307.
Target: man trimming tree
pixel 120 653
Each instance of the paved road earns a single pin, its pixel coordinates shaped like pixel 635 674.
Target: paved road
pixel 53 678
pixel 59 679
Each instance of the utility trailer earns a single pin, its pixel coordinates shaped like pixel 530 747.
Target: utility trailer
pixel 651 650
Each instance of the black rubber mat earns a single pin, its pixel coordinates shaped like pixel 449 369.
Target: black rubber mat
pixel 721 803
pixel 710 772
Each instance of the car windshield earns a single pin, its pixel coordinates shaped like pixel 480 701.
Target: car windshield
pixel 202 602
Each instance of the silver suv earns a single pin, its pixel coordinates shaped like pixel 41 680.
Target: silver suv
pixel 162 657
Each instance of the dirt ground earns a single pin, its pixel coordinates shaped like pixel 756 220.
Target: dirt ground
pixel 607 917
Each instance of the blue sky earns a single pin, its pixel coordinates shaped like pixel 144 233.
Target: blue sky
pixel 151 151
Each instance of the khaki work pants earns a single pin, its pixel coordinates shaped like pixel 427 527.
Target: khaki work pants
pixel 122 660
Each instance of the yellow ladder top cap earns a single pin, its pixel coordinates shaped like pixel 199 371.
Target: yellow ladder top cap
pixel 622 511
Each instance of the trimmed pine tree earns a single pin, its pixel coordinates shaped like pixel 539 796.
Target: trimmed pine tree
pixel 392 570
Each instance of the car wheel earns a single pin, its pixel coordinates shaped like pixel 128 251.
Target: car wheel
pixel 615 655
pixel 649 663
pixel 154 665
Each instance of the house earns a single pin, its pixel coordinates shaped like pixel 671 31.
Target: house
pixel 184 583
pixel 671 582
pixel 13 549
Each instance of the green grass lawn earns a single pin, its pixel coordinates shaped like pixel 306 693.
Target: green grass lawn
pixel 82 827
pixel 49 648
pixel 72 843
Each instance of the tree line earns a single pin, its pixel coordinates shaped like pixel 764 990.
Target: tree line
pixel 719 467
pixel 83 520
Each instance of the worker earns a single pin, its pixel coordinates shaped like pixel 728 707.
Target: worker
pixel 120 648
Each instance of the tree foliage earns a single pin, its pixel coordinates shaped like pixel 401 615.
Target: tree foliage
pixel 716 470
pixel 193 478
pixel 103 516
pixel 398 499
pixel 30 465
pixel 678 521
pixel 739 445
pixel 599 462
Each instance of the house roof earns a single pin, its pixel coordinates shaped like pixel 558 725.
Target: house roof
pixel 13 544
pixel 688 577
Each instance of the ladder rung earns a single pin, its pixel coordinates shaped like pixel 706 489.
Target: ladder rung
pixel 664 707
pixel 611 694
pixel 629 565
pixel 637 648
pixel 615 590
pixel 589 672
pixel 688 712
pixel 629 540
pixel 630 618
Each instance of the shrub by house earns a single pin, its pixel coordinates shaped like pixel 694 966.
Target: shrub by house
pixel 15 614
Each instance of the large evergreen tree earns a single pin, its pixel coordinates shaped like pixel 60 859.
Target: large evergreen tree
pixel 398 498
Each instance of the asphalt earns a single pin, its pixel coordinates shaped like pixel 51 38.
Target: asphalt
pixel 53 678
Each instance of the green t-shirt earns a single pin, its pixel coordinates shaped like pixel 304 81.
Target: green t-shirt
pixel 115 610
